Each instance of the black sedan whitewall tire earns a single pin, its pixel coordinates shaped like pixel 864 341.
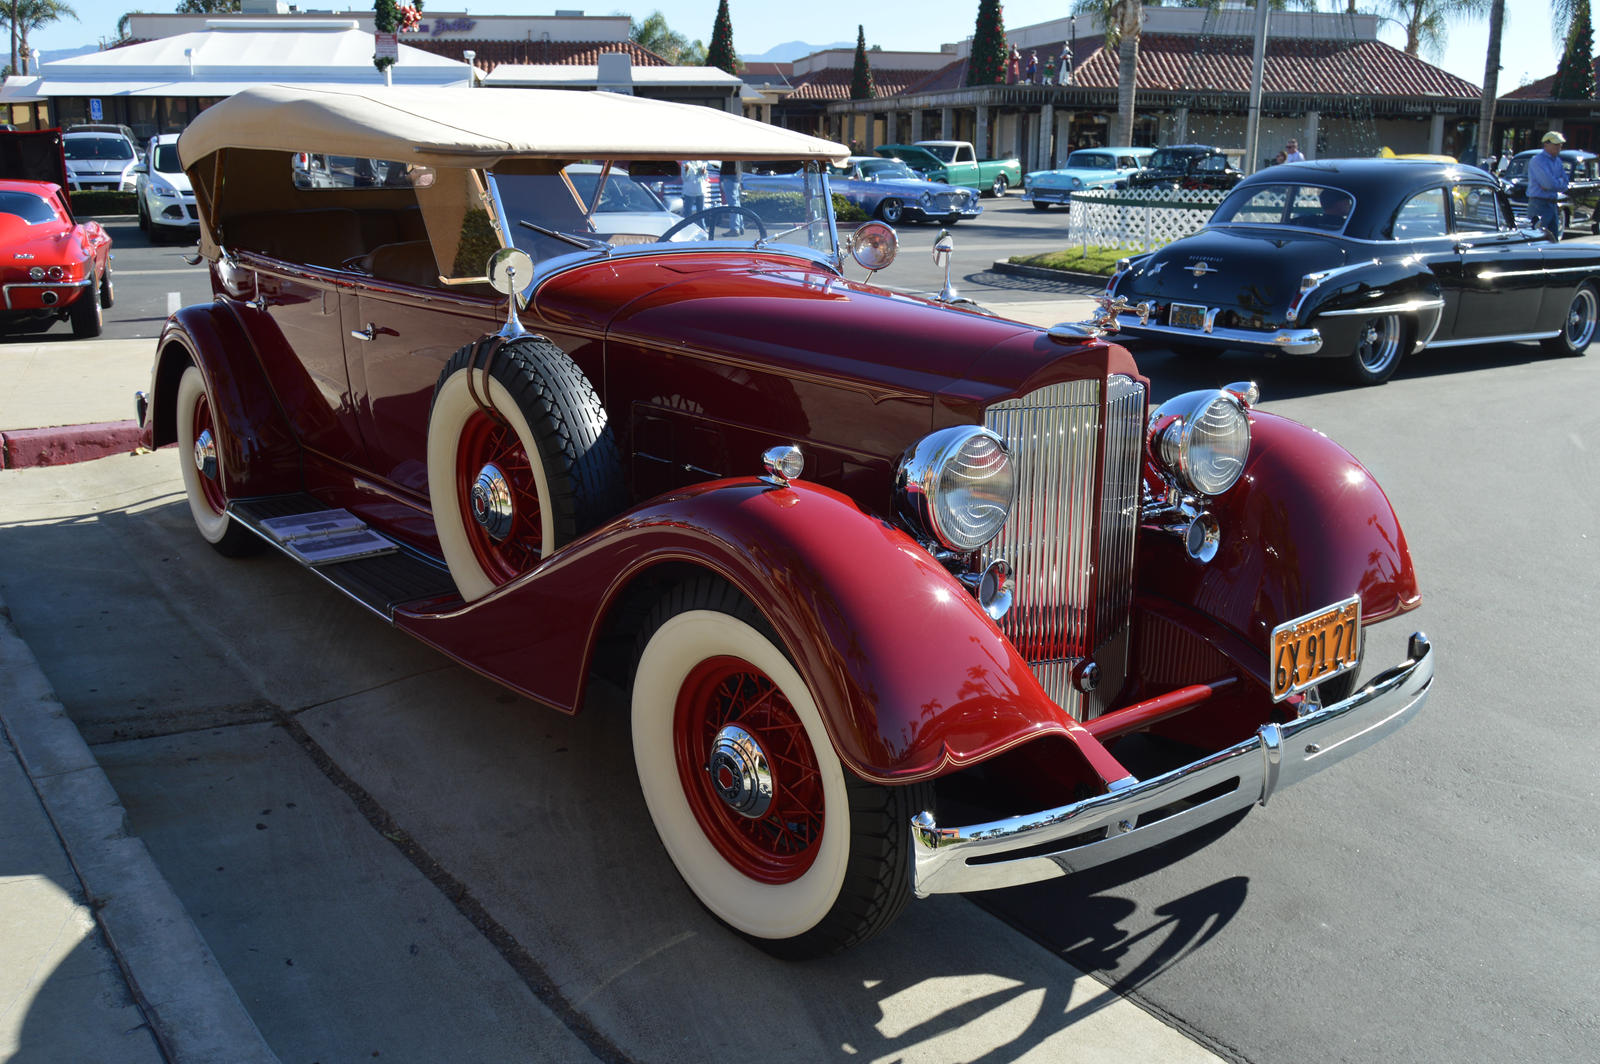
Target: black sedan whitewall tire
pixel 1379 345
pixel 766 827
pixel 1578 327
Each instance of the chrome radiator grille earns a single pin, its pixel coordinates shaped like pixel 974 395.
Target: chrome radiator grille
pixel 1071 547
pixel 945 201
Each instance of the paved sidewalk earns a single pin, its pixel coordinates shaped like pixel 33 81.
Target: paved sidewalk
pixel 70 400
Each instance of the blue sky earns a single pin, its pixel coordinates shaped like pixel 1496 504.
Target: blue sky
pixel 1528 52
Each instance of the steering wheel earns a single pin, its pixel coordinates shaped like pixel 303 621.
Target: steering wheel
pixel 761 229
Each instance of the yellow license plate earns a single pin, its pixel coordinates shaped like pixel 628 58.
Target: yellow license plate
pixel 1187 316
pixel 1313 648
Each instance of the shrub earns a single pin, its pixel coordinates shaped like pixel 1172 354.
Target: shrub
pixel 90 204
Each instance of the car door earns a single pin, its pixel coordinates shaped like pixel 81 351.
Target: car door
pixel 1499 279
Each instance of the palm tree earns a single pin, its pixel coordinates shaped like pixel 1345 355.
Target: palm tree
pixel 1425 20
pixel 1491 77
pixel 25 15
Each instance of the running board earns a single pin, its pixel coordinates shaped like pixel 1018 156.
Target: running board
pixel 382 582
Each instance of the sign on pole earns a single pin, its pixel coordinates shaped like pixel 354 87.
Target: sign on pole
pixel 97 112
pixel 388 46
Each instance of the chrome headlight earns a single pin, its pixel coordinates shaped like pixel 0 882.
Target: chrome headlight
pixel 1077 182
pixel 1202 438
pixel 956 485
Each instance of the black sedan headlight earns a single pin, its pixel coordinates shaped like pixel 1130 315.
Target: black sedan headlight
pixel 1202 440
pixel 956 486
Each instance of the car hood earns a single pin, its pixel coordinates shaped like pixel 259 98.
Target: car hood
pixel 1253 269
pixel 178 181
pixel 918 158
pixel 902 187
pixel 805 321
pixel 98 166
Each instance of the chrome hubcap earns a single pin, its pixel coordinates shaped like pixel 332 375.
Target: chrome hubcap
pixel 491 502
pixel 205 454
pixel 739 772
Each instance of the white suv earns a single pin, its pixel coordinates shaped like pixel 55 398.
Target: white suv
pixel 166 199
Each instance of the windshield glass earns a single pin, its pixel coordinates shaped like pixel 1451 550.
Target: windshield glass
pixel 943 152
pixel 1299 206
pixel 166 161
pixel 1166 159
pixel 887 169
pixel 78 148
pixel 555 214
pixel 1091 160
pixel 1517 167
pixel 28 207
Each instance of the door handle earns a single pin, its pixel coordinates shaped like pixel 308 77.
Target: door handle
pixel 369 333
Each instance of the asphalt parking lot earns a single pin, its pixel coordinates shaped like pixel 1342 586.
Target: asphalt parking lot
pixel 391 859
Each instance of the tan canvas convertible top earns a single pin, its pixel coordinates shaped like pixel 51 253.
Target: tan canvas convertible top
pixel 477 127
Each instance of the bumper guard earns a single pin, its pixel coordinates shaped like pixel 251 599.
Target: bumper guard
pixel 1108 826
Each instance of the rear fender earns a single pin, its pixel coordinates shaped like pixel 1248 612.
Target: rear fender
pixel 912 677
pixel 1340 304
pixel 260 455
pixel 1306 526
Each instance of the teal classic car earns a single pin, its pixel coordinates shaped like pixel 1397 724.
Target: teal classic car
pixel 956 162
pixel 1086 168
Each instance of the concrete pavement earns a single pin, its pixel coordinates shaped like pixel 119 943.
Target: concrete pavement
pixel 69 400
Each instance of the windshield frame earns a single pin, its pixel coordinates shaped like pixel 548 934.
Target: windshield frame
pixel 816 190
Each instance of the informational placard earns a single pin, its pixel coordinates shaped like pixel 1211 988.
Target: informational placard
pixel 97 111
pixel 388 46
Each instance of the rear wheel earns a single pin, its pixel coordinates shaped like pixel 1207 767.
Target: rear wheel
pixel 86 312
pixel 107 295
pixel 1379 347
pixel 998 189
pixel 891 210
pixel 1577 328
pixel 766 827
pixel 200 458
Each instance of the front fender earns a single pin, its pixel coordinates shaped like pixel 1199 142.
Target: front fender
pixel 260 455
pixel 1305 527
pixel 913 679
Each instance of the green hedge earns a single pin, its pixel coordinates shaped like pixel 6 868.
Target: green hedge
pixel 790 207
pixel 93 203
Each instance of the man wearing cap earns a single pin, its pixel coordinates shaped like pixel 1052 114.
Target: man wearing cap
pixel 1547 179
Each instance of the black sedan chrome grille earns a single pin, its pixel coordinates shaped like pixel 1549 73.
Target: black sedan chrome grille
pixel 1070 545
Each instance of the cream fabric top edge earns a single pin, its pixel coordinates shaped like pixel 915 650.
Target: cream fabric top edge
pixel 461 126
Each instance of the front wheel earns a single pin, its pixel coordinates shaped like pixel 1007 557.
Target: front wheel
pixel 891 210
pixel 1577 328
pixel 200 458
pixel 1040 206
pixel 1379 347
pixel 766 827
pixel 998 189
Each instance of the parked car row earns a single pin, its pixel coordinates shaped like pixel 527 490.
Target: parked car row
pixel 1578 205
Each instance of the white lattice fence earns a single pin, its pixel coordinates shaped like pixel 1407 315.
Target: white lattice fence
pixel 1142 218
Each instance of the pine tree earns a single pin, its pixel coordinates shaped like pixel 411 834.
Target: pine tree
pixel 1575 72
pixel 987 64
pixel 721 54
pixel 861 86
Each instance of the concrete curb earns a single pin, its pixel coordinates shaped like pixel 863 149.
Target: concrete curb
pixel 1044 273
pixel 192 1008
pixel 65 444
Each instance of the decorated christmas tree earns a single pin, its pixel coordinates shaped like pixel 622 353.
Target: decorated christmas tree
pixel 721 54
pixel 987 64
pixel 1575 72
pixel 861 86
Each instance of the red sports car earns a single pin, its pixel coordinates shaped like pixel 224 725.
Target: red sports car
pixel 52 267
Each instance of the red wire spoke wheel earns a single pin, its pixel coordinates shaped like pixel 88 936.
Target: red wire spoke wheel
pixel 200 459
pixel 748 770
pixel 496 483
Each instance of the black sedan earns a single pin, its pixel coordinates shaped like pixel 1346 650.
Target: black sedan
pixel 1188 166
pixel 1363 260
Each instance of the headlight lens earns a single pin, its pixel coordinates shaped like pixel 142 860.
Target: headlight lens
pixel 957 485
pixel 1202 438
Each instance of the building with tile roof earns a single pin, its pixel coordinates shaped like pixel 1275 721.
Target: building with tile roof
pixel 1328 82
pixel 1525 114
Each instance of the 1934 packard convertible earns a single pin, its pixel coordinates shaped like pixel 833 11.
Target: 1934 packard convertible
pixel 899 576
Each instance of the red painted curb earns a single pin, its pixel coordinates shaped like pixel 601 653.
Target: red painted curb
pixel 65 444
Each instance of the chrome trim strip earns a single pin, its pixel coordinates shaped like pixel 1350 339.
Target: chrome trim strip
pixel 1392 308
pixel 1292 341
pixel 85 283
pixel 1277 756
pixel 1495 275
pixel 1507 339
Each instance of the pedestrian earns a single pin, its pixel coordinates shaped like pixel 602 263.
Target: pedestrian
pixel 1280 159
pixel 1547 180
pixel 694 187
pixel 1292 152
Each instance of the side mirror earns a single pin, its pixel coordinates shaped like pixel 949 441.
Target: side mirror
pixel 508 270
pixel 944 247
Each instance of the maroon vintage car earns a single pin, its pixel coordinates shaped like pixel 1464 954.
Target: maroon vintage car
pixel 52 267
pixel 900 577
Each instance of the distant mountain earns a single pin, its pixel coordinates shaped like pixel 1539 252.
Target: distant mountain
pixel 789 51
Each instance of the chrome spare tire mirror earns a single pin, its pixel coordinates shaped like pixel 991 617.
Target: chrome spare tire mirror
pixel 874 246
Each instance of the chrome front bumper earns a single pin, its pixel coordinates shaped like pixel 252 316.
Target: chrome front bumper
pixel 1289 341
pixel 1109 826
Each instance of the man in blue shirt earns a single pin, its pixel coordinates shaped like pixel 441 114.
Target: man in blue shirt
pixel 1547 179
